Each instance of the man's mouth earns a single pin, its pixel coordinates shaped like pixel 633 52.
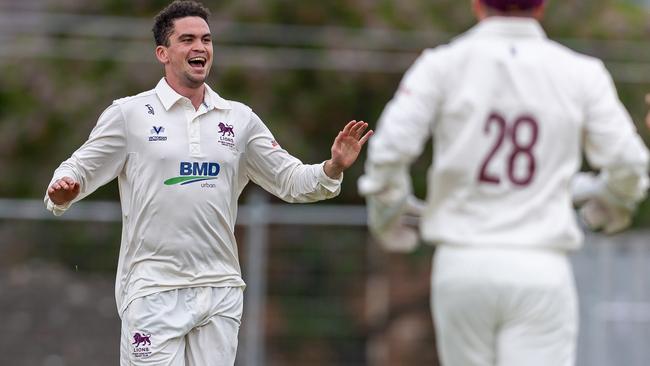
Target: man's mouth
pixel 197 62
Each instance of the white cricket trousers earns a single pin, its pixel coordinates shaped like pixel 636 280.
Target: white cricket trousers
pixel 504 307
pixel 185 327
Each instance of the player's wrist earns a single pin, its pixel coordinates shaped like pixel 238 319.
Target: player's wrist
pixel 332 169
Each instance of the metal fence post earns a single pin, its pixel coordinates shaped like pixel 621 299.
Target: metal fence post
pixel 256 243
pixel 377 305
pixel 605 265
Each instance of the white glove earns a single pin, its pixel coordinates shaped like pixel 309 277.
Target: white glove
pixel 395 226
pixel 611 219
pixel 585 186
pixel 599 209
pixel 393 212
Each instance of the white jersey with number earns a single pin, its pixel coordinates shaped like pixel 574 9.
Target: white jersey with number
pixel 511 113
pixel 180 173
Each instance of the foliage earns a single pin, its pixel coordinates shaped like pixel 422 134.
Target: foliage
pixel 49 105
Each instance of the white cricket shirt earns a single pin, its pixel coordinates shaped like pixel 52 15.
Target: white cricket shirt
pixel 510 112
pixel 180 172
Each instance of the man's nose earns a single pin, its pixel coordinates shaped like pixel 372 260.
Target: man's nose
pixel 199 46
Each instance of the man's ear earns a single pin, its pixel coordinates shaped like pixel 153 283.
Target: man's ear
pixel 478 9
pixel 162 55
pixel 538 13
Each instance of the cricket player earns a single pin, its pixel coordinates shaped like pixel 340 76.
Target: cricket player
pixel 182 155
pixel 510 113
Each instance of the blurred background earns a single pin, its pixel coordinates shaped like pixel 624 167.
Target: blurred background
pixel 320 290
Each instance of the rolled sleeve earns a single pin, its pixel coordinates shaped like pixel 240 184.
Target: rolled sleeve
pixel 331 184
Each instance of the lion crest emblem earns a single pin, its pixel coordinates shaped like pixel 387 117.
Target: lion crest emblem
pixel 226 129
pixel 141 339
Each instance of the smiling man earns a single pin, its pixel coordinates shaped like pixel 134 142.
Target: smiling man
pixel 182 155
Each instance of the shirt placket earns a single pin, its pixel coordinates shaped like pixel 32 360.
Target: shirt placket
pixel 193 118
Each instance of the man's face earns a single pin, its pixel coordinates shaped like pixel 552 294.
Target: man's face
pixel 188 58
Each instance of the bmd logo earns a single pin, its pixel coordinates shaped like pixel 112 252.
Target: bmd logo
pixel 192 172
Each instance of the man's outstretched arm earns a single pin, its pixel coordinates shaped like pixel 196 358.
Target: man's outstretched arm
pixel 286 177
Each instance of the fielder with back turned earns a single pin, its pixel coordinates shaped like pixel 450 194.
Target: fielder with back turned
pixel 511 113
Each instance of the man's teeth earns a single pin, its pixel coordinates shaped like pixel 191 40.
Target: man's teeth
pixel 199 60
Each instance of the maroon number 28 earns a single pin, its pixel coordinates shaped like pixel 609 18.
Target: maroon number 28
pixel 520 149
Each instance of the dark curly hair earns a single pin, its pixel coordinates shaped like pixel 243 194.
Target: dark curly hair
pixel 164 22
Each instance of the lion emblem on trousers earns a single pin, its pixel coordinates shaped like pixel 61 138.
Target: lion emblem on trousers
pixel 141 339
pixel 226 129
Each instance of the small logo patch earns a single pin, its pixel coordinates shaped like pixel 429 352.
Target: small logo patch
pixel 156 134
pixel 226 129
pixel 150 109
pixel 227 137
pixel 140 344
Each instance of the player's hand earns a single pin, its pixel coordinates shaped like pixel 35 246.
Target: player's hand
pixel 346 148
pixel 598 215
pixel 598 208
pixel 63 191
pixel 396 228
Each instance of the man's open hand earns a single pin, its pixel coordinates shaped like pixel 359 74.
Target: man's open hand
pixel 346 148
pixel 63 191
